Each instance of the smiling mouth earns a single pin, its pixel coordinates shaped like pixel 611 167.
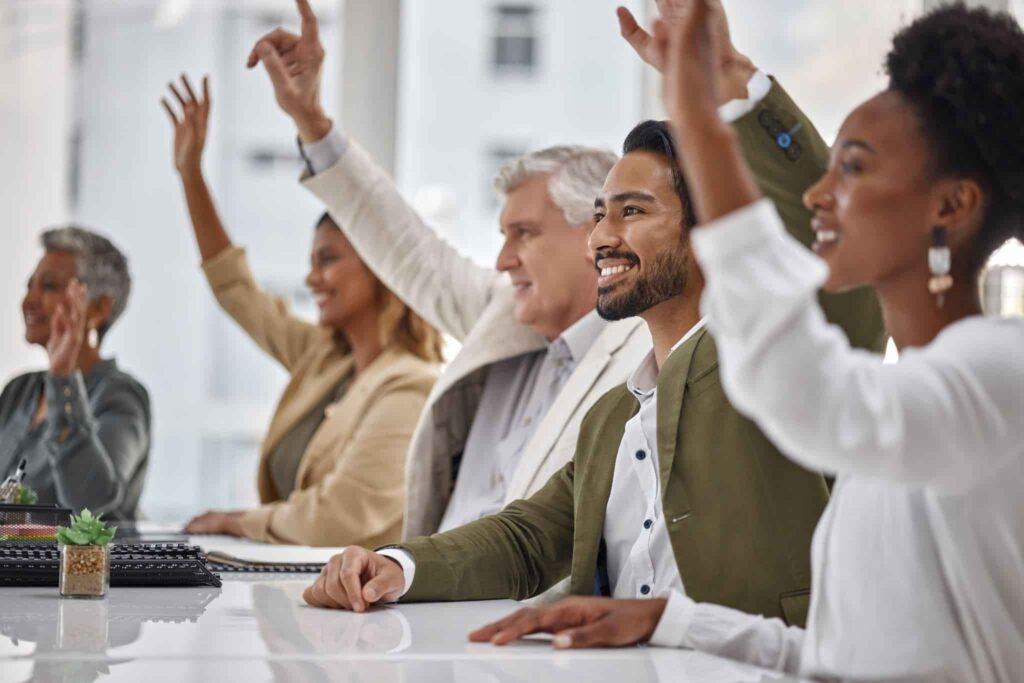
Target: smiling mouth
pixel 613 274
pixel 824 239
pixel 34 319
pixel 321 298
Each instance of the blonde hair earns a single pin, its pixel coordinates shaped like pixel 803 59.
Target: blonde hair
pixel 402 327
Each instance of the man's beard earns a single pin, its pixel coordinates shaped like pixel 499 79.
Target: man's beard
pixel 665 279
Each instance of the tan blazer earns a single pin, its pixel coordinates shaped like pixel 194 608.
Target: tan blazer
pixel 474 304
pixel 350 485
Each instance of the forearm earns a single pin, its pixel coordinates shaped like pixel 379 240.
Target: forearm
pixel 730 633
pixel 717 174
pixel 211 237
pixel 88 460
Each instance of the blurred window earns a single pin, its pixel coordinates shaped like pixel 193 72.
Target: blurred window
pixel 515 39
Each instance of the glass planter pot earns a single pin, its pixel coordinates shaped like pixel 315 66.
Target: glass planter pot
pixel 84 571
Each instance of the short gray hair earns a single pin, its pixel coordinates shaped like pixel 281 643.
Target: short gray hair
pixel 101 266
pixel 577 176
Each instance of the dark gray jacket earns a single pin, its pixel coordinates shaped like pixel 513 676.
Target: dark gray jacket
pixel 92 449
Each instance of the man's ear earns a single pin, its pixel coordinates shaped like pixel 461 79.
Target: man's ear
pixel 98 312
pixel 960 209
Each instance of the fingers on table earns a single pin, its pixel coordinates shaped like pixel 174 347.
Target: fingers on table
pixel 602 633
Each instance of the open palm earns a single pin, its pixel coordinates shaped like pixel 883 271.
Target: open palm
pixel 190 125
pixel 67 330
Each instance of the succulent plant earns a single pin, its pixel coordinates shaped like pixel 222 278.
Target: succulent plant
pixel 86 529
pixel 25 496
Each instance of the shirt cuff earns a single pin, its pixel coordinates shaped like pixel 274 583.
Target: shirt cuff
pixel 405 560
pixel 67 406
pixel 325 152
pixel 757 89
pixel 675 621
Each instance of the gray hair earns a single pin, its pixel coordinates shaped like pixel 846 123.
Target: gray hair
pixel 101 266
pixel 577 176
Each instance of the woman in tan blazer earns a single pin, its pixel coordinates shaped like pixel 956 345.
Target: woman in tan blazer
pixel 332 465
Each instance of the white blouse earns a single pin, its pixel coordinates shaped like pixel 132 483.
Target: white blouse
pixel 918 560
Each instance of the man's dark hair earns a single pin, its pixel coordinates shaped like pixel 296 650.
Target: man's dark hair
pixel 962 71
pixel 656 137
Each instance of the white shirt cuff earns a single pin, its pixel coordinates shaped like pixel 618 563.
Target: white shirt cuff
pixel 757 89
pixel 675 621
pixel 407 563
pixel 325 152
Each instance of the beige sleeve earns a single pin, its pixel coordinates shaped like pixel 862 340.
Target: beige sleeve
pixel 362 499
pixel 265 318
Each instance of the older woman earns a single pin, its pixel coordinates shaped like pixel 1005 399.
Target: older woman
pixel 82 425
pixel 332 467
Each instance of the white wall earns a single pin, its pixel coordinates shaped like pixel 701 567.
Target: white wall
pixel 35 89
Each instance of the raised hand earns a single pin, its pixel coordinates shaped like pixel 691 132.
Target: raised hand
pixel 190 128
pixel 356 579
pixel 732 69
pixel 710 156
pixel 579 622
pixel 295 66
pixel 67 330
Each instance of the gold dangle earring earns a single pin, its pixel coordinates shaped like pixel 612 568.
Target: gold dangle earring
pixel 92 338
pixel 939 263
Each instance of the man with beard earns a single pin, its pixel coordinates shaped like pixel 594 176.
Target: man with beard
pixel 670 488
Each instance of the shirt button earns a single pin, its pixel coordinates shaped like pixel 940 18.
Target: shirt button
pixel 648 524
pixel 640 455
pixel 67 391
pixel 645 589
pixel 67 408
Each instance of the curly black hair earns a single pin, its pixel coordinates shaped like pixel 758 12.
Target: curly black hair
pixel 962 70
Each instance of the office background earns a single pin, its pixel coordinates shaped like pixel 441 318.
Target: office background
pixel 442 91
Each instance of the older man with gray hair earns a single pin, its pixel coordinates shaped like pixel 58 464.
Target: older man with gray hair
pixel 535 355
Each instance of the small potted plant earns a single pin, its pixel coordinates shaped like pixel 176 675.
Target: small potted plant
pixel 85 556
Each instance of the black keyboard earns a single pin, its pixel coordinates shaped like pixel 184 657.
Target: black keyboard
pixel 131 564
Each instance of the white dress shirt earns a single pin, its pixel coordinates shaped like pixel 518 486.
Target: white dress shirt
pixel 918 560
pixel 517 394
pixel 640 560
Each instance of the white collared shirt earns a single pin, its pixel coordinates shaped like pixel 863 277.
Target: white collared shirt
pixel 918 560
pixel 641 563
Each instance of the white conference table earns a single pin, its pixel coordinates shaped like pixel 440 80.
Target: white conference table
pixel 256 628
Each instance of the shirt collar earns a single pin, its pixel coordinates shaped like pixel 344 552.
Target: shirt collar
pixel 577 339
pixel 644 380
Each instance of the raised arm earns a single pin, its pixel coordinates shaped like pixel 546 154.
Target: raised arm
pixel 448 289
pixel 266 319
pixel 769 136
pixel 94 444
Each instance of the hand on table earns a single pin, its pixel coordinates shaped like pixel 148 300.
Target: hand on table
pixel 356 579
pixel 67 329
pixel 579 622
pixel 214 522
pixel 190 129
pixel 733 69
pixel 295 66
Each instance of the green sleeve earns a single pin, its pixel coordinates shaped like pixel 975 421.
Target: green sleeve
pixel 517 553
pixel 787 156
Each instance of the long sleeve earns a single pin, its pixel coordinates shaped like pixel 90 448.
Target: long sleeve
pixel 729 633
pixel 94 448
pixel 787 155
pixel 516 553
pixel 360 500
pixel 266 319
pixel 945 416
pixel 448 289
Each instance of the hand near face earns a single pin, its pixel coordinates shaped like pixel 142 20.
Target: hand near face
pixel 355 580
pixel 579 622
pixel 215 523
pixel 67 330
pixel 295 66
pixel 190 129
pixel 732 69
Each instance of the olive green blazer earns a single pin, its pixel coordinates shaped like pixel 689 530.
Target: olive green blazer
pixel 740 516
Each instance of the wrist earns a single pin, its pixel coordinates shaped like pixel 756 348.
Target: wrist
pixel 191 173
pixel 313 125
